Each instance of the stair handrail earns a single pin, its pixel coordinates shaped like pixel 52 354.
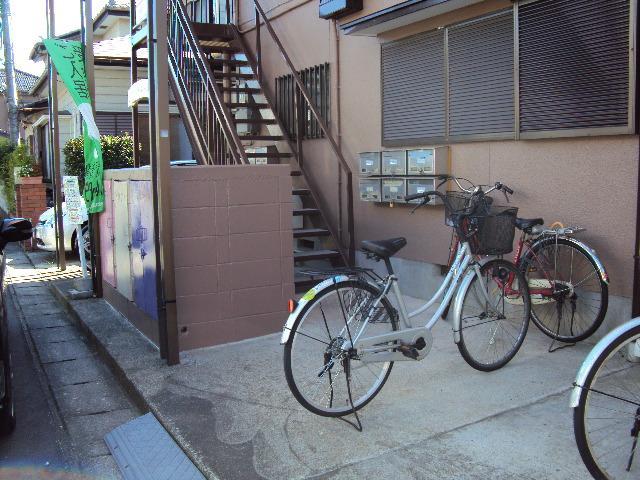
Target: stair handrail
pixel 314 110
pixel 222 114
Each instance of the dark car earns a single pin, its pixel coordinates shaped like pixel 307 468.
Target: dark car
pixel 12 230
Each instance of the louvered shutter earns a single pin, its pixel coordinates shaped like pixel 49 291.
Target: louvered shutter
pixel 481 86
pixel 413 90
pixel 574 64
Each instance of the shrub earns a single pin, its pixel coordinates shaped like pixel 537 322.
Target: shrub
pixel 10 158
pixel 117 152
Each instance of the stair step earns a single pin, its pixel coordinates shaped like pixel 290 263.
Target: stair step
pixel 220 62
pixel 305 211
pixel 272 138
pixel 305 282
pixel 255 106
pixel 248 76
pixel 212 31
pixel 310 232
pixel 256 121
pixel 268 155
pixel 220 49
pixel 301 191
pixel 314 255
pixel 241 90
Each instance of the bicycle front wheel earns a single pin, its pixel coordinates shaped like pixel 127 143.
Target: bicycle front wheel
pixel 607 419
pixel 495 316
pixel 569 297
pixel 323 377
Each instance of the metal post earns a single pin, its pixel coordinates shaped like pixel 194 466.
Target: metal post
pixel 86 34
pixel 55 142
pixel 134 79
pixel 161 178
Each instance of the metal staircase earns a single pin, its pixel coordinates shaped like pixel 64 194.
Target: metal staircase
pixel 230 119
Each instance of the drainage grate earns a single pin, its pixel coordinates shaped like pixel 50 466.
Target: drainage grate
pixel 144 450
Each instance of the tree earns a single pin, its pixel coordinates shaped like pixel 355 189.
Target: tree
pixel 9 72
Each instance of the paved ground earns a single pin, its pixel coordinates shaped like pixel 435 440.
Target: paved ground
pixel 230 409
pixel 85 401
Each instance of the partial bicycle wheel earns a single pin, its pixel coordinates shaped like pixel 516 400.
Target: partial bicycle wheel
pixel 494 317
pixel 323 377
pixel 569 296
pixel 607 419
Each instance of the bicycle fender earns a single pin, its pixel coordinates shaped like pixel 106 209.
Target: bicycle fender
pixel 587 248
pixel 457 304
pixel 593 355
pixel 306 298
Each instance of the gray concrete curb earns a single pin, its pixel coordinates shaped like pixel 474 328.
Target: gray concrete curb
pixel 131 348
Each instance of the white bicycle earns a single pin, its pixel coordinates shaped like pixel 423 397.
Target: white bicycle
pixel 606 405
pixel 342 338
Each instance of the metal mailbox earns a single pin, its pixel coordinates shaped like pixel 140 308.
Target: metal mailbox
pixel 370 190
pixel 394 162
pixel 370 163
pixel 393 190
pixel 421 185
pixel 427 161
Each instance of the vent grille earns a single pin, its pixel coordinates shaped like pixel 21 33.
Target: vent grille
pixel 574 64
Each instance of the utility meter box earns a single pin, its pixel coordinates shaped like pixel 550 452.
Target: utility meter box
pixel 370 163
pixel 394 162
pixel 428 161
pixel 421 185
pixel 393 190
pixel 370 190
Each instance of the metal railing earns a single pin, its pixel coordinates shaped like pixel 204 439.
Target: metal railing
pixel 304 107
pixel 215 138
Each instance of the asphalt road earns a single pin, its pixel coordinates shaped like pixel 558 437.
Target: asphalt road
pixel 39 441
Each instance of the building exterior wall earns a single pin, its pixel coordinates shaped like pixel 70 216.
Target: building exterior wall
pixel 580 181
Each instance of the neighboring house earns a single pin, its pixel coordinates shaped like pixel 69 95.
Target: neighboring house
pixel 24 84
pixel 112 54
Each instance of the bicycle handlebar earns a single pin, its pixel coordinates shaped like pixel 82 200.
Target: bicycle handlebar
pixel 476 188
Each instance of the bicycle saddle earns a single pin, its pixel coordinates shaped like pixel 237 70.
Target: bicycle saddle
pixel 528 223
pixel 384 248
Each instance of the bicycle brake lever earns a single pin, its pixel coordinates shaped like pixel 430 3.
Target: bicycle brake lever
pixel 422 203
pixel 506 196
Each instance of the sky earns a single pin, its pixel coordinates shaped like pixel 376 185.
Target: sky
pixel 29 26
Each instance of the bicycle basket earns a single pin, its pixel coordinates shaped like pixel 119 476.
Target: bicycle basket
pixel 494 230
pixel 458 202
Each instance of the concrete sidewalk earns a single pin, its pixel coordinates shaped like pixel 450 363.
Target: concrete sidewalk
pixel 230 409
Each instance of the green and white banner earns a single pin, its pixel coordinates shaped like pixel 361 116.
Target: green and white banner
pixel 68 57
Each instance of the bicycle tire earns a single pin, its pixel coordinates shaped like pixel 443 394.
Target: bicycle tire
pixel 387 312
pixel 474 313
pixel 539 311
pixel 599 400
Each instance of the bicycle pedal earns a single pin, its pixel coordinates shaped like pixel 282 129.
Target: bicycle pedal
pixel 412 351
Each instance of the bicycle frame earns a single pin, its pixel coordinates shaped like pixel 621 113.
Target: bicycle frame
pixel 376 348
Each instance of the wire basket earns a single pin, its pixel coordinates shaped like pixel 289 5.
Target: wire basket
pixel 459 202
pixel 492 231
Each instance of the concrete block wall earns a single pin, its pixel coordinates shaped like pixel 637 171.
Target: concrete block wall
pixel 31 202
pixel 233 252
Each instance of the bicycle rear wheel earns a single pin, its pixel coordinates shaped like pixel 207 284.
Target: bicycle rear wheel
pixel 569 297
pixel 491 333
pixel 607 419
pixel 321 375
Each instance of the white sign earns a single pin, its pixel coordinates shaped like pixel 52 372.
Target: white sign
pixel 74 203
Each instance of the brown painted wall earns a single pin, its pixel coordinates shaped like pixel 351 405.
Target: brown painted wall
pixel 585 181
pixel 233 252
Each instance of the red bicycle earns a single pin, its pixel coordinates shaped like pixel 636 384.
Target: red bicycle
pixel 568 284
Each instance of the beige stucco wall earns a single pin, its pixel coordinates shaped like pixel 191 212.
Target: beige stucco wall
pixel 585 181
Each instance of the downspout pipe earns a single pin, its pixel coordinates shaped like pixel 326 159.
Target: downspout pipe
pixel 635 301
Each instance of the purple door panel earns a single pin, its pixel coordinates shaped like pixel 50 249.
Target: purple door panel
pixel 106 237
pixel 148 253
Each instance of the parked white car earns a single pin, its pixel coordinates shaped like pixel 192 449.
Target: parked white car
pixel 46 237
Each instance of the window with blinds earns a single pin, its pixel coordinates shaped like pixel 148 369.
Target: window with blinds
pixel 574 64
pixel 413 89
pixel 114 123
pixel 481 86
